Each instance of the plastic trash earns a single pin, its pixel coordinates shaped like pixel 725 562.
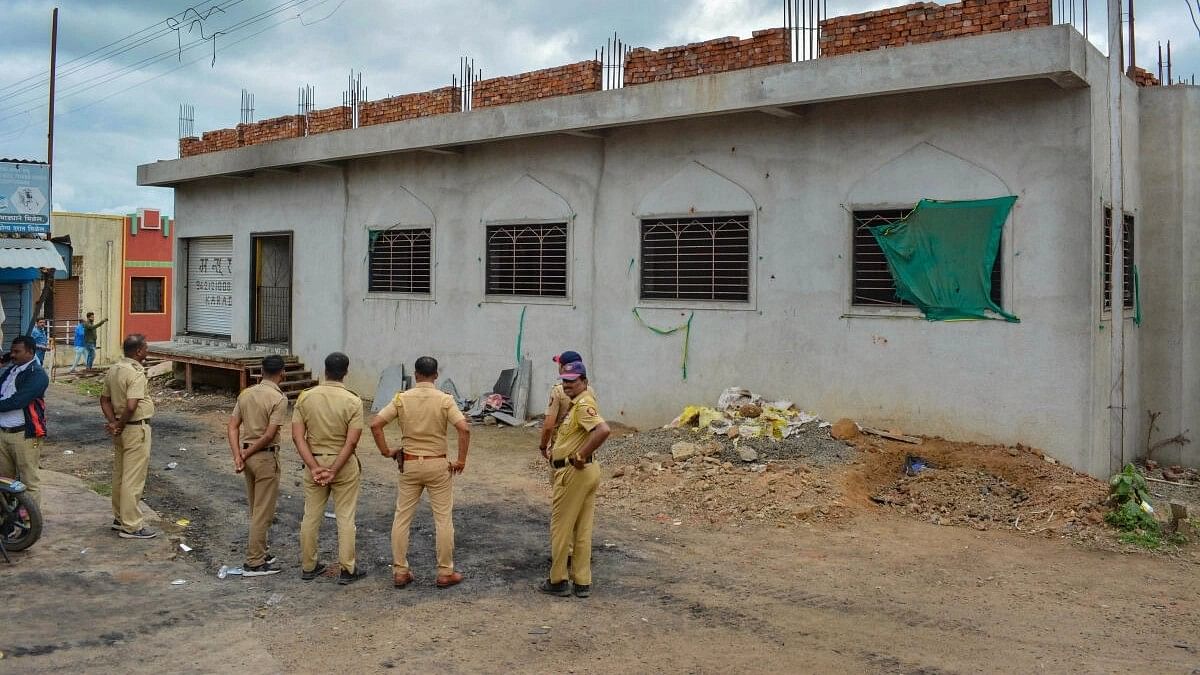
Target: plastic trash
pixel 914 465
pixel 68 452
pixel 183 522
pixel 330 514
pixel 227 571
pixel 275 599
pixel 179 582
pixel 185 548
pixel 172 465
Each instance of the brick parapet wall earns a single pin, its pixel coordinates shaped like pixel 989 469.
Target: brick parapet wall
pixel 766 47
pixel 928 22
pixel 1142 77
pixel 574 78
pixel 410 106
pixel 221 139
pixel 274 129
pixel 329 119
pixel 190 145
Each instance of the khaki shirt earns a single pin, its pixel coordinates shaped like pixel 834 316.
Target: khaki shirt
pixel 124 380
pixel 328 411
pixel 423 412
pixel 581 419
pixel 259 407
pixel 560 404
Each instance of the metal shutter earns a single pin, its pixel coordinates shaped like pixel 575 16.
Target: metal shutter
pixel 13 299
pixel 66 308
pixel 210 286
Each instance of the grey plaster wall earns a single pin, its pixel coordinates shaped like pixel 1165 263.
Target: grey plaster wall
pixel 1170 248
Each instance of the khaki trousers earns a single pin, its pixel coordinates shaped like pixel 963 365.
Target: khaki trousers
pixel 262 493
pixel 344 490
pixel 571 512
pixel 420 475
pixel 19 458
pixel 131 462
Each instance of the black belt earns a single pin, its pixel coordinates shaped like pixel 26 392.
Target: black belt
pixel 269 448
pixel 12 430
pixel 560 463
pixel 137 422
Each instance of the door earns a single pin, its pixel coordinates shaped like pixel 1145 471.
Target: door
pixel 12 297
pixel 210 286
pixel 271 297
pixel 64 312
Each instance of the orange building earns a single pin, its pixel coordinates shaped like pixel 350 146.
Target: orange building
pixel 148 275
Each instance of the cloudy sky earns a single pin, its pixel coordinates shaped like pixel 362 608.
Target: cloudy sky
pixel 122 76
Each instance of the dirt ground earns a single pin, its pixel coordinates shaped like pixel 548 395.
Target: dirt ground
pixel 860 587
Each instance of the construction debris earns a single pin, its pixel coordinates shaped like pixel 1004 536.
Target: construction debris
pixel 893 436
pixel 741 414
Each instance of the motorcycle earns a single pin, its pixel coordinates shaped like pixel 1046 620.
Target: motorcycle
pixel 20 519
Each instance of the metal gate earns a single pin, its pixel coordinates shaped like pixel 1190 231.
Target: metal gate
pixel 210 286
pixel 12 297
pixel 272 300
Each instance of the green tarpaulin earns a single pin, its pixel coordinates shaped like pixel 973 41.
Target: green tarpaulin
pixel 941 257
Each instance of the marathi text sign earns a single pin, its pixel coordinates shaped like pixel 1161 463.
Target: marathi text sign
pixel 24 198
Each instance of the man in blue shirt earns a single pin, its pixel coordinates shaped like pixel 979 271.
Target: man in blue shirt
pixel 41 338
pixel 23 416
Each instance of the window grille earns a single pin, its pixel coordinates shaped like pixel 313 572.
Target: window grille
pixel 696 259
pixel 1126 256
pixel 527 260
pixel 146 295
pixel 399 261
pixel 873 285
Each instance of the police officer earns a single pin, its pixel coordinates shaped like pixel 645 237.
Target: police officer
pixel 126 403
pixel 326 426
pixel 557 408
pixel 423 413
pixel 253 435
pixel 575 480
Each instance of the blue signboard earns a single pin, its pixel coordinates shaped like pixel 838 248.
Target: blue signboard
pixel 24 198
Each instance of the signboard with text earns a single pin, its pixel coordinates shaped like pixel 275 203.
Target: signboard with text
pixel 24 198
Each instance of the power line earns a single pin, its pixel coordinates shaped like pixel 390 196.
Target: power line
pixel 65 68
pixel 184 65
pixel 105 78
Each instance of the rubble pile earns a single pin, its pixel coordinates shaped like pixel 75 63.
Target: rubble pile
pixel 705 489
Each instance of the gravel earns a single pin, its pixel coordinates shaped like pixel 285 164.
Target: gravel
pixel 812 445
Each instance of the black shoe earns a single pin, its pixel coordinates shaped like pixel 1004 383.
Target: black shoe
pixel 260 570
pixel 582 590
pixel 271 560
pixel 309 575
pixel 347 578
pixel 144 533
pixel 116 524
pixel 562 589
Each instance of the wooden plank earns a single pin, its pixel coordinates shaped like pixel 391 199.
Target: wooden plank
pixel 887 434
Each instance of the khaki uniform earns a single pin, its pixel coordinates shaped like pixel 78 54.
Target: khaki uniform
pixel 328 411
pixel 126 379
pixel 259 407
pixel 423 414
pixel 556 410
pixel 574 500
pixel 19 457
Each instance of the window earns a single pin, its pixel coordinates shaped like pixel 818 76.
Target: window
pixel 1126 256
pixel 696 259
pixel 527 260
pixel 400 261
pixel 873 285
pixel 146 295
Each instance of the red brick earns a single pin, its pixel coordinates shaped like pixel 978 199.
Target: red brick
pixel 410 106
pixel 574 78
pixel 927 22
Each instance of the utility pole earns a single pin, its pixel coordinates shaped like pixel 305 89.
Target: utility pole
pixel 1132 41
pixel 48 275
pixel 1116 403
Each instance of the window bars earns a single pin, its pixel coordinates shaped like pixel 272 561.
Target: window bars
pixel 400 261
pixel 696 259
pixel 527 260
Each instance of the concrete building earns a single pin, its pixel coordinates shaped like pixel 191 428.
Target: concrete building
pixel 122 270
pixel 450 233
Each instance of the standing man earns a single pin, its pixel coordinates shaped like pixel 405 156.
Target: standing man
pixel 127 407
pixel 423 414
pixel 557 408
pixel 326 426
pixel 41 338
pixel 89 337
pixel 80 349
pixel 253 435
pixel 23 416
pixel 575 482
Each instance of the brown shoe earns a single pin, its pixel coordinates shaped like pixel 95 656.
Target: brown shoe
pixel 402 580
pixel 449 580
